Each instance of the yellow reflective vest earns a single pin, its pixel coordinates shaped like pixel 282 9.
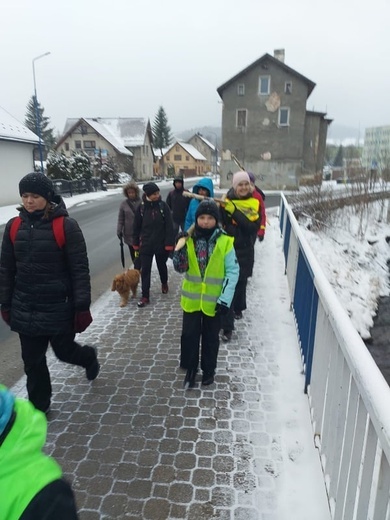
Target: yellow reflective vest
pixel 202 295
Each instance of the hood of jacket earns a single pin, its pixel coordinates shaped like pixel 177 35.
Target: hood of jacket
pixel 204 182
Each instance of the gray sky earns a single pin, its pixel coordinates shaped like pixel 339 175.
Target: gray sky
pixel 128 57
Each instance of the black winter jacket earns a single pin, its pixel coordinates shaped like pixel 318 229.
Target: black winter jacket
pixel 244 232
pixel 40 283
pixel 178 204
pixel 153 227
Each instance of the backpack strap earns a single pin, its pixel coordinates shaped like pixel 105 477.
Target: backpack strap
pixel 14 228
pixel 58 230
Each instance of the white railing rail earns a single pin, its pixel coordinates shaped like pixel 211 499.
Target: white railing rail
pixel 348 396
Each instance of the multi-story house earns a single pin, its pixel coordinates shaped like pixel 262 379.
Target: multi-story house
pixel 266 127
pixel 207 149
pixel 376 149
pixel 17 144
pixel 127 140
pixel 184 159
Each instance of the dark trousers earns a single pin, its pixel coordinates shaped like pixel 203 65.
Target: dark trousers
pixel 54 502
pixel 35 365
pixel 146 269
pixel 199 328
pixel 238 305
pixel 135 259
pixel 177 227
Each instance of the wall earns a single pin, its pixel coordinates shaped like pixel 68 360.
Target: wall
pixel 16 160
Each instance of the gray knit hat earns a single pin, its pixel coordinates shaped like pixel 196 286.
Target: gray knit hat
pixel 37 183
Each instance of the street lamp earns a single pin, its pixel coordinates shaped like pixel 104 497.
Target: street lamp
pixel 37 118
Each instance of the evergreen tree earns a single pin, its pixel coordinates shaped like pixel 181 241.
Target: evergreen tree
pixel 58 166
pixel 47 133
pixel 338 161
pixel 162 136
pixel 80 166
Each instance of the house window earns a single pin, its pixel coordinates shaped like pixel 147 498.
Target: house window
pixel 89 144
pixel 77 145
pixel 177 157
pixel 187 157
pixel 284 116
pixel 288 87
pixel 177 148
pixel 264 85
pixel 83 129
pixel 241 118
pixel 67 147
pixel 241 89
pixel 167 157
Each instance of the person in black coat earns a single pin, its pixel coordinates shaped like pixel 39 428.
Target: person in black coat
pixel 45 290
pixel 153 236
pixel 178 204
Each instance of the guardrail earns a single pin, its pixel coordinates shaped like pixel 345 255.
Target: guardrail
pixel 64 186
pixel 348 396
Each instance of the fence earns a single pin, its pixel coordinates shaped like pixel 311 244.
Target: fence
pixel 348 396
pixel 65 187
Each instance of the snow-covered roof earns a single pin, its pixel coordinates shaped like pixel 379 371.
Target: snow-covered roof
pixel 191 150
pixel 13 130
pixel 130 130
pixel 206 141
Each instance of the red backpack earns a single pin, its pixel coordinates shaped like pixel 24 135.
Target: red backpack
pixel 58 230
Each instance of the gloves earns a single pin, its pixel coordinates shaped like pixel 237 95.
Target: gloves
pixel 82 320
pixel 222 309
pixel 6 315
pixel 230 207
pixel 182 234
pixel 260 238
pixel 120 235
pixel 136 254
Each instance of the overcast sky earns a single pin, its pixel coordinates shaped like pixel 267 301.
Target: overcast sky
pixel 128 57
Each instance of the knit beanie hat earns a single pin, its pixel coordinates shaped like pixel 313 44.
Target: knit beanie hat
pixel 37 183
pixel 178 179
pixel 251 177
pixel 7 401
pixel 150 188
pixel 207 207
pixel 239 177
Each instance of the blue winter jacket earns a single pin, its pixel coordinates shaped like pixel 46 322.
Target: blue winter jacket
pixel 204 182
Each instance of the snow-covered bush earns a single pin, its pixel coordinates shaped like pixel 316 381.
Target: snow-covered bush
pixel 58 166
pixel 80 166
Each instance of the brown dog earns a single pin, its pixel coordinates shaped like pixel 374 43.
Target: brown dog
pixel 124 283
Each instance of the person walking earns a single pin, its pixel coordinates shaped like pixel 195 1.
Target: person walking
pixel 31 483
pixel 126 215
pixel 258 194
pixel 240 213
pixel 45 290
pixel 203 187
pixel 211 272
pixel 153 236
pixel 178 204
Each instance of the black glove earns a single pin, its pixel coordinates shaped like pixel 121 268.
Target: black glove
pixel 260 238
pixel 182 234
pixel 120 235
pixel 222 309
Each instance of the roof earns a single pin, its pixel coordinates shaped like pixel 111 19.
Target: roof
pixel 13 130
pixel 275 61
pixel 120 132
pixel 189 149
pixel 206 141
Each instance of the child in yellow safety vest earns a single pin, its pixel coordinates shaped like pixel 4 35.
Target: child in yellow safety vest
pixel 211 272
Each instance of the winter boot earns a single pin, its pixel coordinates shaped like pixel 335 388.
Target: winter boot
pixel 189 380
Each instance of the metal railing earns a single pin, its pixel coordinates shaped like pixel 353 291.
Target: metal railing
pixel 66 187
pixel 349 398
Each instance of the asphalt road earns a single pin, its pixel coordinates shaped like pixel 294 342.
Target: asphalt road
pixel 97 220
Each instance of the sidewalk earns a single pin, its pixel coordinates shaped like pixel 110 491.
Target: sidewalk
pixel 135 445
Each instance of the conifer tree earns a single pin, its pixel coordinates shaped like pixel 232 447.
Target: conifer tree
pixel 162 136
pixel 58 166
pixel 47 133
pixel 338 161
pixel 80 166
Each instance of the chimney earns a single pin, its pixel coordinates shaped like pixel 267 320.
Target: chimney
pixel 279 54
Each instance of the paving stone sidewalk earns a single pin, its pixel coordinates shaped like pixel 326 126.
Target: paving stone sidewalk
pixel 135 445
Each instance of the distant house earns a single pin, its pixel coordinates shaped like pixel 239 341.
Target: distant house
pixel 184 159
pixel 207 149
pixel 376 150
pixel 266 127
pixel 17 145
pixel 127 140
